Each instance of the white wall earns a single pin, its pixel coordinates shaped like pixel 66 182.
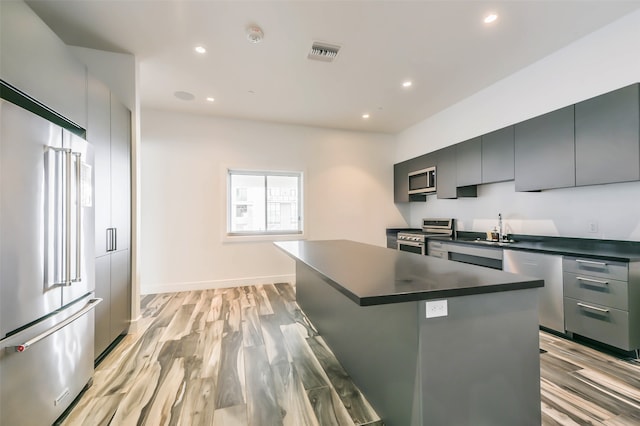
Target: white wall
pixel 603 61
pixel 349 193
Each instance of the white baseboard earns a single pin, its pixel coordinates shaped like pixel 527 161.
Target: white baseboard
pixel 207 285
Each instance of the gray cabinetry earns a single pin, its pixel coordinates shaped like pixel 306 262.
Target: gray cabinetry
pixel 608 138
pixel 34 60
pixel 109 131
pixel 446 173
pixel 602 301
pixel 400 182
pixel 550 297
pixel 498 155
pixel 545 151
pixel 469 162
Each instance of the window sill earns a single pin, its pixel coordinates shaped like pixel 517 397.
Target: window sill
pixel 262 238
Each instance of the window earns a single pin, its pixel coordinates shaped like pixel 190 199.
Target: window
pixel 264 202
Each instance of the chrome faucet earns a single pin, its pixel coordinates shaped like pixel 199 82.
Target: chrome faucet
pixel 500 227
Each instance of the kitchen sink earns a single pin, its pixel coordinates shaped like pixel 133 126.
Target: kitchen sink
pixel 492 243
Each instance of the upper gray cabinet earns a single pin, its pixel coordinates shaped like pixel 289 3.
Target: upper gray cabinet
pixel 469 162
pixel 545 151
pixel 34 60
pixel 446 173
pixel 498 155
pixel 401 182
pixel 608 138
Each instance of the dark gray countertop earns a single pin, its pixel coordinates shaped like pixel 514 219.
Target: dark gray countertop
pixel 614 250
pixel 622 251
pixel 372 275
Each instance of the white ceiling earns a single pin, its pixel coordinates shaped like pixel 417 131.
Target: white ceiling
pixel 442 46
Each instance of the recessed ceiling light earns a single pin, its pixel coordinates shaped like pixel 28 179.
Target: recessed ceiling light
pixel 407 84
pixel 200 49
pixel 210 99
pixel 490 18
pixel 365 116
pixel 185 96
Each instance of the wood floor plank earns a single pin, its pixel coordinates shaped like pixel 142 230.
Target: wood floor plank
pixel 564 397
pixel 311 372
pixel 251 328
pixel 132 361
pixel 294 402
pixel 209 347
pixel 359 408
pixel 328 408
pixel 274 340
pixel 166 403
pixel 264 306
pixel 231 416
pixel 198 408
pixel 286 291
pixel 96 411
pixel 262 402
pixel 130 409
pixel 230 381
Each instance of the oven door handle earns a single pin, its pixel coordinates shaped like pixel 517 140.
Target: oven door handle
pixel 410 243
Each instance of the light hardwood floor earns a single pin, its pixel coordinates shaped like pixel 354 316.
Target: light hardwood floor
pixel 248 356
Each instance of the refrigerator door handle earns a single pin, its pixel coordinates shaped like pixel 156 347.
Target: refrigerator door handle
pixel 78 271
pixel 92 303
pixel 65 187
pixel 67 219
pixel 115 239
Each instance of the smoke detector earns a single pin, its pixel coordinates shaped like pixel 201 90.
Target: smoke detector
pixel 323 51
pixel 254 34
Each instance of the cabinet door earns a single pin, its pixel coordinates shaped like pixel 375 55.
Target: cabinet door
pixel 120 292
pixel 401 182
pixel 446 178
pixel 608 138
pixel 545 151
pixel 103 310
pixel 37 62
pixel 121 173
pixel 469 162
pixel 497 155
pixel 99 135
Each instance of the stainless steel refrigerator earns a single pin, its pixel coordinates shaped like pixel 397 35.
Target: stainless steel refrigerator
pixel 46 267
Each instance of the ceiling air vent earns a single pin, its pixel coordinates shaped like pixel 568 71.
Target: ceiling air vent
pixel 323 52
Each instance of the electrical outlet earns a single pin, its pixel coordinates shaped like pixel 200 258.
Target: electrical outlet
pixel 437 308
pixel 593 226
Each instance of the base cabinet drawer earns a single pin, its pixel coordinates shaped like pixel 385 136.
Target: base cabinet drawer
pixel 596 268
pixel 601 291
pixel 602 323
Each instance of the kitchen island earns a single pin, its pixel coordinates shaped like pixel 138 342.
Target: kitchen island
pixel 428 341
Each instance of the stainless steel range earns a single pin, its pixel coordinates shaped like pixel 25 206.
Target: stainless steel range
pixel 415 241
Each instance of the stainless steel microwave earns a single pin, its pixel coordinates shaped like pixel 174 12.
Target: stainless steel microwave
pixel 422 181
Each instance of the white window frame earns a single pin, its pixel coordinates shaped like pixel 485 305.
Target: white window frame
pixel 230 236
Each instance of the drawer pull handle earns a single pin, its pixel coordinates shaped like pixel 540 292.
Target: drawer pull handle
pixel 604 311
pixel 591 262
pixel 590 280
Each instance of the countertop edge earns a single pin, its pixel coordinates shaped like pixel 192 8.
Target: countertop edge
pixel 419 295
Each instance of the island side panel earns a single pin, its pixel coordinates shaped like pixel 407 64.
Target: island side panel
pixel 377 345
pixel 481 362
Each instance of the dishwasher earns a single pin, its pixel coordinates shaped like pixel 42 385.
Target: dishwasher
pixel 550 297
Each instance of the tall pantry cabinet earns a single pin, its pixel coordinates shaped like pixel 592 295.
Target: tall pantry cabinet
pixel 109 130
